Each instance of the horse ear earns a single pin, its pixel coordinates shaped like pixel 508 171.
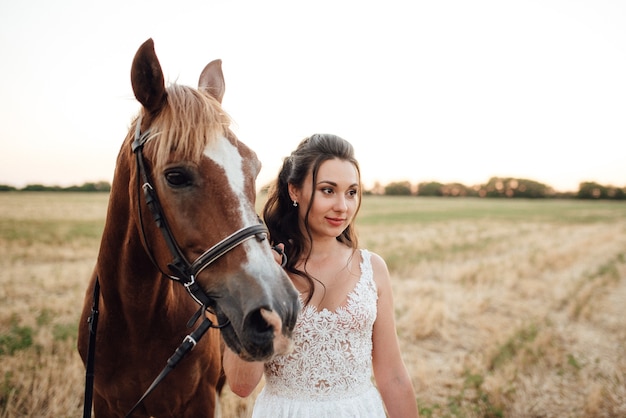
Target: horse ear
pixel 147 79
pixel 212 80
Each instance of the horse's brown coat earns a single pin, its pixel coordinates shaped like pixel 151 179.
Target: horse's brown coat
pixel 142 312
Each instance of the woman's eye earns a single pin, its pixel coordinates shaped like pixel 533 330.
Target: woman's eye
pixel 177 178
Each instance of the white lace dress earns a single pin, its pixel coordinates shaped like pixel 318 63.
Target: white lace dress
pixel 329 373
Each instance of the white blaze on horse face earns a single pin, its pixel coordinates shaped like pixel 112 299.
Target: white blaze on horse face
pixel 227 156
pixel 259 265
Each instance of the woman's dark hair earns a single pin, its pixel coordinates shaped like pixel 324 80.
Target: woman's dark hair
pixel 279 214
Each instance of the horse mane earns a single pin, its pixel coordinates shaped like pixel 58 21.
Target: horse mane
pixel 189 121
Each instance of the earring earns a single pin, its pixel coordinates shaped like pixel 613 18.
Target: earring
pixel 295 204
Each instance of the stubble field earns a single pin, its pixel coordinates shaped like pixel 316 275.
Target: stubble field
pixel 511 308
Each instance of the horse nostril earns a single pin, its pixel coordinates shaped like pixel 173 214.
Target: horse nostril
pixel 264 338
pixel 256 322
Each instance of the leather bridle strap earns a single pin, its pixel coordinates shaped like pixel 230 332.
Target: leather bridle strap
pixel 153 204
pixel 203 261
pixel 185 347
pixel 184 272
pixel 91 350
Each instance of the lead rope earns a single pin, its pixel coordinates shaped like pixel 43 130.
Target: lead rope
pixel 89 374
pixel 186 346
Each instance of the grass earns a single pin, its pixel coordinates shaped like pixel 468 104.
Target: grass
pixel 403 210
pixel 504 308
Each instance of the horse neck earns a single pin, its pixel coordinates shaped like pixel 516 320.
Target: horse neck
pixel 131 284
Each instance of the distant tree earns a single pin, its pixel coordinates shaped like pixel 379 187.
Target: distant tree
pixel 101 186
pixel 40 188
pixel 617 193
pixel 432 188
pixel 34 188
pixel 7 188
pixel 592 190
pixel 457 190
pixel 401 188
pixel 512 187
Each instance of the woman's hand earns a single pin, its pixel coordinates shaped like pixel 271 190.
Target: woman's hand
pixel 279 254
pixel 242 376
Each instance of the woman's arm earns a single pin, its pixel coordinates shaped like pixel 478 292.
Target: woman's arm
pixel 392 377
pixel 242 376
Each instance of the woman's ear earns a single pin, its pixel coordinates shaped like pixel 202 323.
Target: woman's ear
pixel 293 192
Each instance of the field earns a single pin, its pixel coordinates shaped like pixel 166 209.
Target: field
pixel 512 308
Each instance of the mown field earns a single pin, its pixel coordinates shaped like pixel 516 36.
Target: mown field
pixel 505 308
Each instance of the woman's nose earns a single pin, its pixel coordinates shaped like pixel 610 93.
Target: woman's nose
pixel 341 204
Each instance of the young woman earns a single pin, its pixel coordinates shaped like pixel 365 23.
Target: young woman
pixel 346 328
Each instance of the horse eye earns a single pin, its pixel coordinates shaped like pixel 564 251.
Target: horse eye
pixel 178 178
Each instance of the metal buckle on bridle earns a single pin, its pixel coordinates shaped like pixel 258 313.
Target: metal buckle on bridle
pixel 189 339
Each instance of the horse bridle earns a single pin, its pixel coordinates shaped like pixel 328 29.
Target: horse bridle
pixel 184 272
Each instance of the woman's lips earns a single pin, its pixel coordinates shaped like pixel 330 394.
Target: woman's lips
pixel 335 221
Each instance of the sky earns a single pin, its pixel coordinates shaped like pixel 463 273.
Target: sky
pixel 441 90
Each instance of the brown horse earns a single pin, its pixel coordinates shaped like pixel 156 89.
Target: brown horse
pixel 183 189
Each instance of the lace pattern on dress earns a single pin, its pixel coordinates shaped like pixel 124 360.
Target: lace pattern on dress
pixel 335 348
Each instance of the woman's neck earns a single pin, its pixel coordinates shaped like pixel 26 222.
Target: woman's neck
pixel 322 250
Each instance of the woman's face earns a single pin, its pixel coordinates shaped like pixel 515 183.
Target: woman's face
pixel 335 198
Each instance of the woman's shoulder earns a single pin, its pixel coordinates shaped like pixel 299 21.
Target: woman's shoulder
pixel 375 259
pixel 379 269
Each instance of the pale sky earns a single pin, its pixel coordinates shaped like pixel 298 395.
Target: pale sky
pixel 441 90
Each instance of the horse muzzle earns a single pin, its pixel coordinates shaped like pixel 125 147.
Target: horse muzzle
pixel 262 332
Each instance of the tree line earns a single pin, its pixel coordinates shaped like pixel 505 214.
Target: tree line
pixel 496 187
pixel 101 186
pixel 503 187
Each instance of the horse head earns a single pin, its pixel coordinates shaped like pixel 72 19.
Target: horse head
pixel 198 184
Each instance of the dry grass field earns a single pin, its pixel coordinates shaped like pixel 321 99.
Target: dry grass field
pixel 505 308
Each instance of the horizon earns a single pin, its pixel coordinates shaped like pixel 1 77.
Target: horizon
pixel 367 187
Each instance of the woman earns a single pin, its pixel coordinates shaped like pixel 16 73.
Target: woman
pixel 346 328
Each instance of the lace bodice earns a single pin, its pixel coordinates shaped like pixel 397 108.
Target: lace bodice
pixel 333 349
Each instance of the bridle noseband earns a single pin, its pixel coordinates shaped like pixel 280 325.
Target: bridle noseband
pixel 184 271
